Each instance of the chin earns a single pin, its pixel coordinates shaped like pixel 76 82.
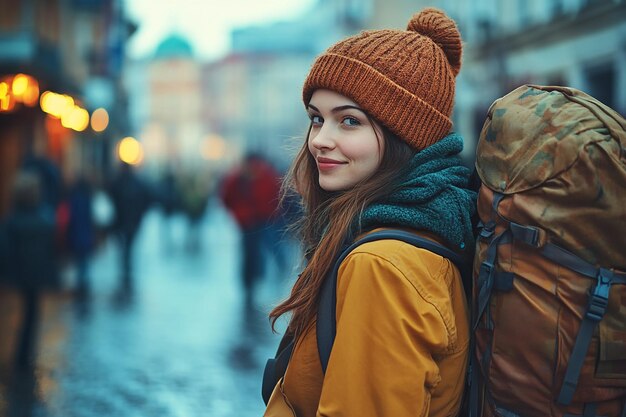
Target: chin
pixel 332 187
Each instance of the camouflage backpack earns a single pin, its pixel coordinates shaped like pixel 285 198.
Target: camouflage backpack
pixel 549 271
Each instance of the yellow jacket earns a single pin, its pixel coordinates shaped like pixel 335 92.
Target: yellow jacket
pixel 401 346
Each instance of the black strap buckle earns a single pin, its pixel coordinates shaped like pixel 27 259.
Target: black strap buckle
pixel 599 299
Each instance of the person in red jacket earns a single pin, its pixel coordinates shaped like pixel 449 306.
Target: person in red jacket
pixel 250 193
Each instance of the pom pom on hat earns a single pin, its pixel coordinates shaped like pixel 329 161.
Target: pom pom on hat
pixel 404 79
pixel 434 24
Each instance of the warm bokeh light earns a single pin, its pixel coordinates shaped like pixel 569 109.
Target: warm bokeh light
pixel 66 105
pixel 20 84
pixel 62 107
pixel 20 88
pixel 130 151
pixel 213 148
pixel 56 104
pixel 7 102
pixel 45 101
pixel 76 118
pixel 31 96
pixel 99 119
pixel 4 91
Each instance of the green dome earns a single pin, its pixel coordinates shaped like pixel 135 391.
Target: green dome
pixel 174 46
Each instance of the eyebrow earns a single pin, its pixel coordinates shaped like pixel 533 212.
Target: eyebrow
pixel 338 108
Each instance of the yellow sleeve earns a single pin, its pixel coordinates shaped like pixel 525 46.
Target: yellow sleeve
pixel 388 332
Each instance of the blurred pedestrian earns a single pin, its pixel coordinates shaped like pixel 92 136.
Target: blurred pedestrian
pixel 380 153
pixel 49 174
pixel 168 193
pixel 32 262
pixel 168 197
pixel 80 231
pixel 195 193
pixel 250 193
pixel 131 198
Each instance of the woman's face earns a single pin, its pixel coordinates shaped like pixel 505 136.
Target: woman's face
pixel 346 146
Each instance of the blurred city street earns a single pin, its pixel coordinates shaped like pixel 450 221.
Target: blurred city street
pixel 179 341
pixel 142 147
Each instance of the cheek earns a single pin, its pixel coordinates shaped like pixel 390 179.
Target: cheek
pixel 370 154
pixel 374 163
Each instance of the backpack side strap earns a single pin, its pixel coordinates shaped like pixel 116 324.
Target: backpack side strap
pixel 597 302
pixel 488 279
pixel 596 307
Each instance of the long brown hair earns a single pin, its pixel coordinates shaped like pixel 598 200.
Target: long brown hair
pixel 328 220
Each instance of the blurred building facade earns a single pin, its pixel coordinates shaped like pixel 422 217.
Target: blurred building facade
pixel 168 111
pixel 577 43
pixel 254 93
pixel 59 62
pixel 250 99
pixel 174 118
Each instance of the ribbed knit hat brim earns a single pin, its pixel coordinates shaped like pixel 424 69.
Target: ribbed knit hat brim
pixel 404 79
pixel 408 116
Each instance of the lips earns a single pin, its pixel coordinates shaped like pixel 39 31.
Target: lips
pixel 324 164
pixel 322 160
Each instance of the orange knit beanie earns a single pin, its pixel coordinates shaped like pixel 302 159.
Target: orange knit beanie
pixel 404 79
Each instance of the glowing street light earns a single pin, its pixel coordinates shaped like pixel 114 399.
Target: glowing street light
pixel 62 106
pixel 56 104
pixel 99 119
pixel 75 118
pixel 130 151
pixel 20 84
pixel 7 102
pixel 31 95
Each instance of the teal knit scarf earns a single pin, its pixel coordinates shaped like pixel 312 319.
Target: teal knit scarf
pixel 432 196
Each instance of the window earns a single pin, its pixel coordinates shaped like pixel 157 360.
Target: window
pixel 601 83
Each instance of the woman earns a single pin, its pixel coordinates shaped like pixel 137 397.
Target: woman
pixel 379 154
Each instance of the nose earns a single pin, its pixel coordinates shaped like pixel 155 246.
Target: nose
pixel 322 137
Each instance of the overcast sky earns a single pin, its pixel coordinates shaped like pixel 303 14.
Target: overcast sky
pixel 205 23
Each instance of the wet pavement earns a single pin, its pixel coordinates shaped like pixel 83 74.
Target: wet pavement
pixel 179 342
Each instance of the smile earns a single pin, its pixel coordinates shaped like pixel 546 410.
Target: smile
pixel 325 164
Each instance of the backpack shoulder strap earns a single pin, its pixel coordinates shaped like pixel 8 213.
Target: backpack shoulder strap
pixel 276 367
pixel 326 313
